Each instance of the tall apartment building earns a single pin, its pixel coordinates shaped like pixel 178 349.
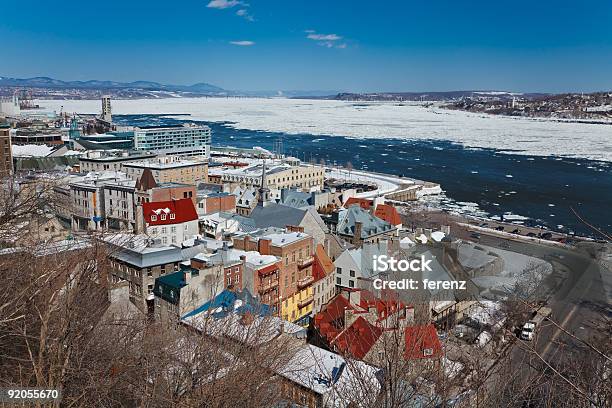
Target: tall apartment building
pixel 106 109
pixel 185 140
pixel 6 153
pixel 169 169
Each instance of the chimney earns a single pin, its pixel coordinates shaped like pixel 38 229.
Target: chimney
pixel 139 222
pixel 264 246
pixel 246 243
pixel 294 228
pixel 187 276
pixel 358 227
pixel 349 317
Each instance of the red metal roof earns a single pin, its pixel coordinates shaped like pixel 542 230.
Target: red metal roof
pixel 422 342
pixel 357 340
pixel 363 202
pixel 388 303
pixel 388 213
pixel 323 265
pixel 330 321
pixel 169 212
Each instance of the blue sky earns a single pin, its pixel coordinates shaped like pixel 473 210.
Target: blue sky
pixel 410 45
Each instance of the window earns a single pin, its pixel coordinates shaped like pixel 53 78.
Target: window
pixel 351 283
pixel 352 272
pixel 172 216
pixel 163 217
pixel 428 352
pixel 338 270
pixel 338 281
pixel 154 218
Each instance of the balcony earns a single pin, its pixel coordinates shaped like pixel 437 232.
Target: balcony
pixel 268 270
pixel 267 287
pixel 304 263
pixel 305 302
pixel 305 282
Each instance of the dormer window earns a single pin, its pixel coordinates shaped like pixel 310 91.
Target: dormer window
pixel 163 217
pixel 154 218
pixel 172 216
pixel 428 352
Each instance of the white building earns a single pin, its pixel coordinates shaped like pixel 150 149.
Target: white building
pixel 88 203
pixel 186 140
pixel 172 222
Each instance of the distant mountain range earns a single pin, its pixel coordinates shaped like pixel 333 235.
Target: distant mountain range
pixel 45 87
pixel 50 83
pixel 55 88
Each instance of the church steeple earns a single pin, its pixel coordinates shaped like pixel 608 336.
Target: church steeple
pixel 264 191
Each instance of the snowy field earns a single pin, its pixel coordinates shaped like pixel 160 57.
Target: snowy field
pixel 377 120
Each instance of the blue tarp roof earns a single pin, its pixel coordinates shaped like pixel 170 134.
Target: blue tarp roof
pixel 225 303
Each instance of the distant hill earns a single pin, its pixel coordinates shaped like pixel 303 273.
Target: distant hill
pixel 433 96
pixel 50 83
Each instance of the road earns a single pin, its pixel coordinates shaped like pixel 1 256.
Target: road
pixel 580 299
pixel 579 292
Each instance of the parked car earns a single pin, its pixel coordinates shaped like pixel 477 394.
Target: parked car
pixel 475 235
pixel 529 328
pixel 500 228
pixel 516 231
pixel 531 234
pixel 546 235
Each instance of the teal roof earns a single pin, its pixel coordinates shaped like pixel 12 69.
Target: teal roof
pixel 168 287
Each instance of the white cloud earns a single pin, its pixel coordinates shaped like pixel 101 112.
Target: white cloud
pixel 223 4
pixel 243 43
pixel 325 40
pixel 323 37
pixel 245 14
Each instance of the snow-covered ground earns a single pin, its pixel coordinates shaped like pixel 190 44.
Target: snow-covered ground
pixel 377 120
